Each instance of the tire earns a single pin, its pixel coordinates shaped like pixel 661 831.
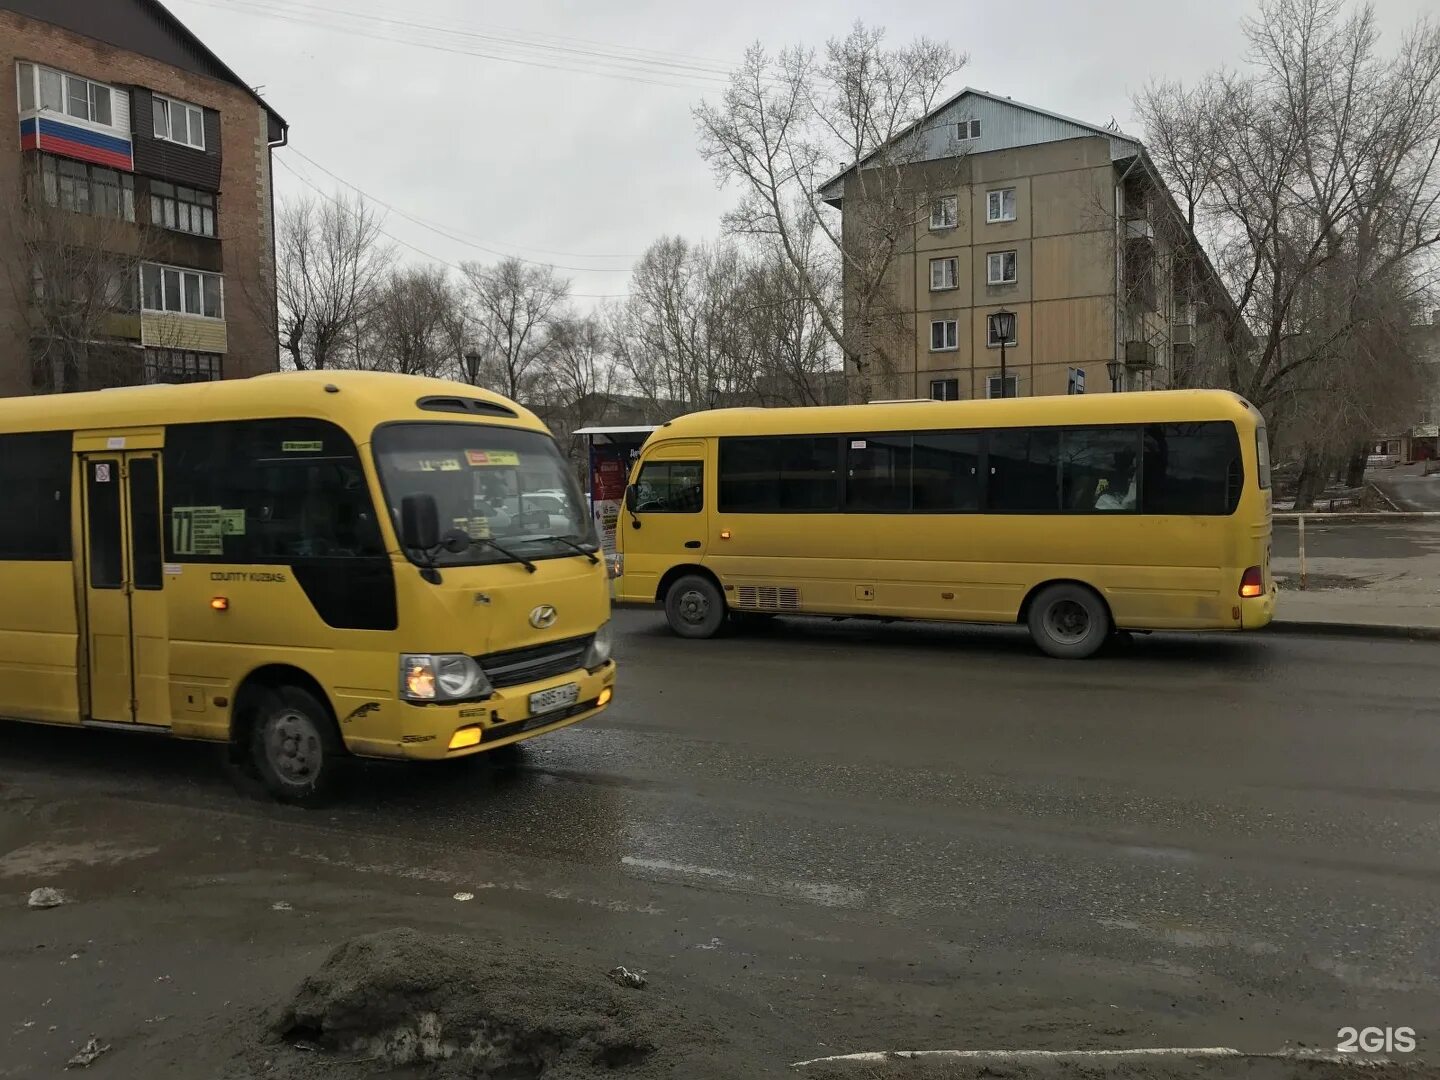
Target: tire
pixel 295 748
pixel 694 607
pixel 1070 622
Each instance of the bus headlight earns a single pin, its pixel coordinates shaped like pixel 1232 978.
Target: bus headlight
pixel 615 565
pixel 441 677
pixel 599 651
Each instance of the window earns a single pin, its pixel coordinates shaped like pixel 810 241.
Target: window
pixel 1000 268
pixel 186 292
pixel 944 389
pixel 944 335
pixel 791 473
pixel 1098 469
pixel 1262 454
pixel 181 208
pixel 1024 470
pixel 992 331
pixel 945 212
pixel 671 487
pixel 26 75
pixel 945 471
pixel 175 121
pixel 87 189
pixel 968 129
pixel 994 389
pixel 942 274
pixel 266 491
pixel 1000 205
pixel 145 532
pixel 102 519
pixel 174 366
pixel 1192 468
pixel 35 475
pixel 73 95
pixel 877 472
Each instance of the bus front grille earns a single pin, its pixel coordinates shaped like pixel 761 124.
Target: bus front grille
pixel 516 666
pixel 767 597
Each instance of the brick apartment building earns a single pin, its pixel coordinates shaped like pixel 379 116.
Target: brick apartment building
pixel 136 214
pixel 1059 231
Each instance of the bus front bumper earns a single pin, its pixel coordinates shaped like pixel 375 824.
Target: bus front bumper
pixel 437 732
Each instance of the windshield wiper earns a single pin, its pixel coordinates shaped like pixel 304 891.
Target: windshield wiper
pixel 459 541
pixel 568 543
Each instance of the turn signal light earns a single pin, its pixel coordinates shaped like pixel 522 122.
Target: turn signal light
pixel 220 603
pixel 466 736
pixel 605 696
pixel 1252 583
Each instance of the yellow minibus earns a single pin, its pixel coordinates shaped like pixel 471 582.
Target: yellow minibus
pixel 303 565
pixel 1076 516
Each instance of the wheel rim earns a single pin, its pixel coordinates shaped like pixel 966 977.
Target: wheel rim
pixel 694 607
pixel 293 747
pixel 1067 621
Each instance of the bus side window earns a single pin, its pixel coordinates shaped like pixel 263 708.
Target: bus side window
pixel 671 487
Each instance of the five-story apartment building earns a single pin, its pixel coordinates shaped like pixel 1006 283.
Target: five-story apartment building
pixel 136 205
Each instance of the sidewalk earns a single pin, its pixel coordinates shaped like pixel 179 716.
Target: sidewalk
pixel 1368 577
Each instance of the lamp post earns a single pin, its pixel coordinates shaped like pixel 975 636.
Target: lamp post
pixel 1113 367
pixel 1005 328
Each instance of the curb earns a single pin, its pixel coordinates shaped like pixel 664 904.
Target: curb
pixel 1350 517
pixel 1344 629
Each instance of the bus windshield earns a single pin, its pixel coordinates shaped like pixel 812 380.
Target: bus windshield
pixel 492 483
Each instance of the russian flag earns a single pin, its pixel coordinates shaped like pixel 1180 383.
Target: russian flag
pixel 82 144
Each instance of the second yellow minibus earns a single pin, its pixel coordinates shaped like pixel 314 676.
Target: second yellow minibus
pixel 1077 516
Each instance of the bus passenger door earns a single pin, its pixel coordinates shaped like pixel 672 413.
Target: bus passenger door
pixel 125 617
pixel 669 505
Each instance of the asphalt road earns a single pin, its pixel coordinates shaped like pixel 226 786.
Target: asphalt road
pixel 1366 539
pixel 820 837
pixel 1408 491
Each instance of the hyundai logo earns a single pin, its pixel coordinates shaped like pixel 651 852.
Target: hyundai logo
pixel 543 617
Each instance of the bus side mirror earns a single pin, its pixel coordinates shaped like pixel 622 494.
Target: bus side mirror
pixel 632 497
pixel 419 522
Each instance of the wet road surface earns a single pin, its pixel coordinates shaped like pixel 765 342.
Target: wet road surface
pixel 836 836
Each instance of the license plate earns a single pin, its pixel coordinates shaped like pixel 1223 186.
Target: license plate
pixel 554 699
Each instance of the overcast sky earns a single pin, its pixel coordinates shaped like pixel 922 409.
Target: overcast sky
pixel 550 161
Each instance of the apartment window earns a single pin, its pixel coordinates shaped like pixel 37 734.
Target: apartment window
pixel 1000 268
pixel 945 212
pixel 994 388
pixel 103 282
pixel 992 331
pixel 944 389
pixel 87 189
pixel 1000 205
pixel 58 92
pixel 178 122
pixel 942 274
pixel 181 208
pixel 968 129
pixel 184 292
pixel 174 366
pixel 944 335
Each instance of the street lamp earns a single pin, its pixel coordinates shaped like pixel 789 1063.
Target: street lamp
pixel 1005 328
pixel 1113 367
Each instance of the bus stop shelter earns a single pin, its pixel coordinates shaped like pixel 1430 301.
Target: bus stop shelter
pixel 610 452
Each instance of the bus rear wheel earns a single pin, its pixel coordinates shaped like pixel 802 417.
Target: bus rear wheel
pixel 694 607
pixel 1070 622
pixel 294 746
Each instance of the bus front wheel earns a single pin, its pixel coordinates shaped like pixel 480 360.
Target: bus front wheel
pixel 694 607
pixel 294 746
pixel 1069 621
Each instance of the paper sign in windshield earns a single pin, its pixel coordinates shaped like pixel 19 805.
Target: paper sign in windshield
pixel 481 458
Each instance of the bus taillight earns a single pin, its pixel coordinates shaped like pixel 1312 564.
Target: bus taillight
pixel 1252 582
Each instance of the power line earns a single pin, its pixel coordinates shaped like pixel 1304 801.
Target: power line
pixel 406 244
pixel 614 67
pixel 459 237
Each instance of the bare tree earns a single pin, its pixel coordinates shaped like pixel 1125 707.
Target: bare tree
pixel 511 305
pixel 410 327
pixel 1316 176
pixel 73 277
pixel 789 123
pixel 578 376
pixel 332 265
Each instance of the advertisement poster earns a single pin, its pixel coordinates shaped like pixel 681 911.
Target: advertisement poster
pixel 609 468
